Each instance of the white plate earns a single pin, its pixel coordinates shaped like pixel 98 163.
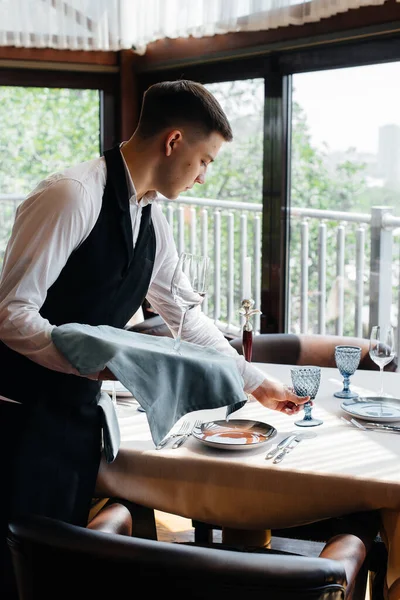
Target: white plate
pixel 235 434
pixel 121 390
pixel 373 408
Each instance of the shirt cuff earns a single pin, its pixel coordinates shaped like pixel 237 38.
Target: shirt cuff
pixel 252 376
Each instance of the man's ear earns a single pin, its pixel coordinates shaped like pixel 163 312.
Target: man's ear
pixel 173 139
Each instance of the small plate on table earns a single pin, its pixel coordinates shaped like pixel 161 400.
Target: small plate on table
pixel 380 409
pixel 235 434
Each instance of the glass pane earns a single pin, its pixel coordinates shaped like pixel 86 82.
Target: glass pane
pixel 345 163
pixel 43 130
pixel 234 183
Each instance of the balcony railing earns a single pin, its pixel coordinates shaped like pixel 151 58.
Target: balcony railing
pixel 228 232
pixel 348 266
pixel 344 267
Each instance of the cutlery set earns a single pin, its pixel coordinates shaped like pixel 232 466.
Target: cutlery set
pixel 288 448
pixel 287 445
pixel 281 446
pixel 183 433
pixel 278 453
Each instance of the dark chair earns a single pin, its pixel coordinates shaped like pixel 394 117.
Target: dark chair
pixel 53 559
pixel 306 349
pixel 285 348
pixel 114 518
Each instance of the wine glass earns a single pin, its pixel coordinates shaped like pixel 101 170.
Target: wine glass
pixel 347 359
pixel 381 348
pixel 306 382
pixel 189 286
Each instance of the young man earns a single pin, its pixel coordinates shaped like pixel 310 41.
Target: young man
pixel 88 245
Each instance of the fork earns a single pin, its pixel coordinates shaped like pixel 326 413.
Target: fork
pixel 184 428
pixel 185 436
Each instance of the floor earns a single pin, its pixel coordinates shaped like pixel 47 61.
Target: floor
pixel 171 528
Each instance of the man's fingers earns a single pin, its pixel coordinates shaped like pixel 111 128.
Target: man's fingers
pixel 294 398
pixel 302 400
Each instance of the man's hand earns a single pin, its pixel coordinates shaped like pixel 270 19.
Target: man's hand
pixel 276 396
pixel 106 375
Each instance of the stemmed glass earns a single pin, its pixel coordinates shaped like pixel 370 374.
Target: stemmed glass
pixel 189 286
pixel 306 382
pixel 111 388
pixel 381 348
pixel 347 359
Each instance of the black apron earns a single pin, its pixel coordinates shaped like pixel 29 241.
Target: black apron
pixel 50 445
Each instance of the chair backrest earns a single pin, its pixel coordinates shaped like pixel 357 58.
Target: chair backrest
pixel 58 560
pixel 306 349
pixel 285 348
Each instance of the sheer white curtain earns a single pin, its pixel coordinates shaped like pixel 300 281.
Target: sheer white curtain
pixel 63 24
pixel 157 19
pixel 119 24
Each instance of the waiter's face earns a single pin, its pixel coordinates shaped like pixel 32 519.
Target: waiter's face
pixel 186 157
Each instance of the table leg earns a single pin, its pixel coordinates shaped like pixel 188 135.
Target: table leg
pixel 246 537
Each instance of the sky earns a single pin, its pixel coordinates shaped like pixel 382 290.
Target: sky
pixel 346 107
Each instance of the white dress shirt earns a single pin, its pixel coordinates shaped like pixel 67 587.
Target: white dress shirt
pixel 50 224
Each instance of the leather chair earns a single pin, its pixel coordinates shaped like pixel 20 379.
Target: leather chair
pixel 53 559
pixel 284 348
pixel 306 349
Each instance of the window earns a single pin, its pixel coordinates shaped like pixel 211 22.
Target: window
pixel 44 130
pixel 345 163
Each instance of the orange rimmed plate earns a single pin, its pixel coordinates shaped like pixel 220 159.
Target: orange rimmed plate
pixel 235 434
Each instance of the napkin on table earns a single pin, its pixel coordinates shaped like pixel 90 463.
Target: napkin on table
pixel 166 384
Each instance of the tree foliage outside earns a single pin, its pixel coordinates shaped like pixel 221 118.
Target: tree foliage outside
pixel 313 186
pixel 42 131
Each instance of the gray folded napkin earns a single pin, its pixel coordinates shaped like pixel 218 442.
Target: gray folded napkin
pixel 166 384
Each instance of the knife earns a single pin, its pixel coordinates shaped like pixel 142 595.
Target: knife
pixel 383 426
pixel 285 442
pixel 180 440
pixel 163 442
pixel 287 449
pixel 372 426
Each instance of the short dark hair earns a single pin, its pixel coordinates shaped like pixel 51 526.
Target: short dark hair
pixel 177 103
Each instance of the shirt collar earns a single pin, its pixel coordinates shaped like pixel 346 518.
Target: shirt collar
pixel 148 198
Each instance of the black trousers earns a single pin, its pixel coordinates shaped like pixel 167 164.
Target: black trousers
pixel 49 459
pixel 10 434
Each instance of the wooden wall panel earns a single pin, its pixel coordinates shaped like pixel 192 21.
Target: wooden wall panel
pixel 38 55
pixel 362 22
